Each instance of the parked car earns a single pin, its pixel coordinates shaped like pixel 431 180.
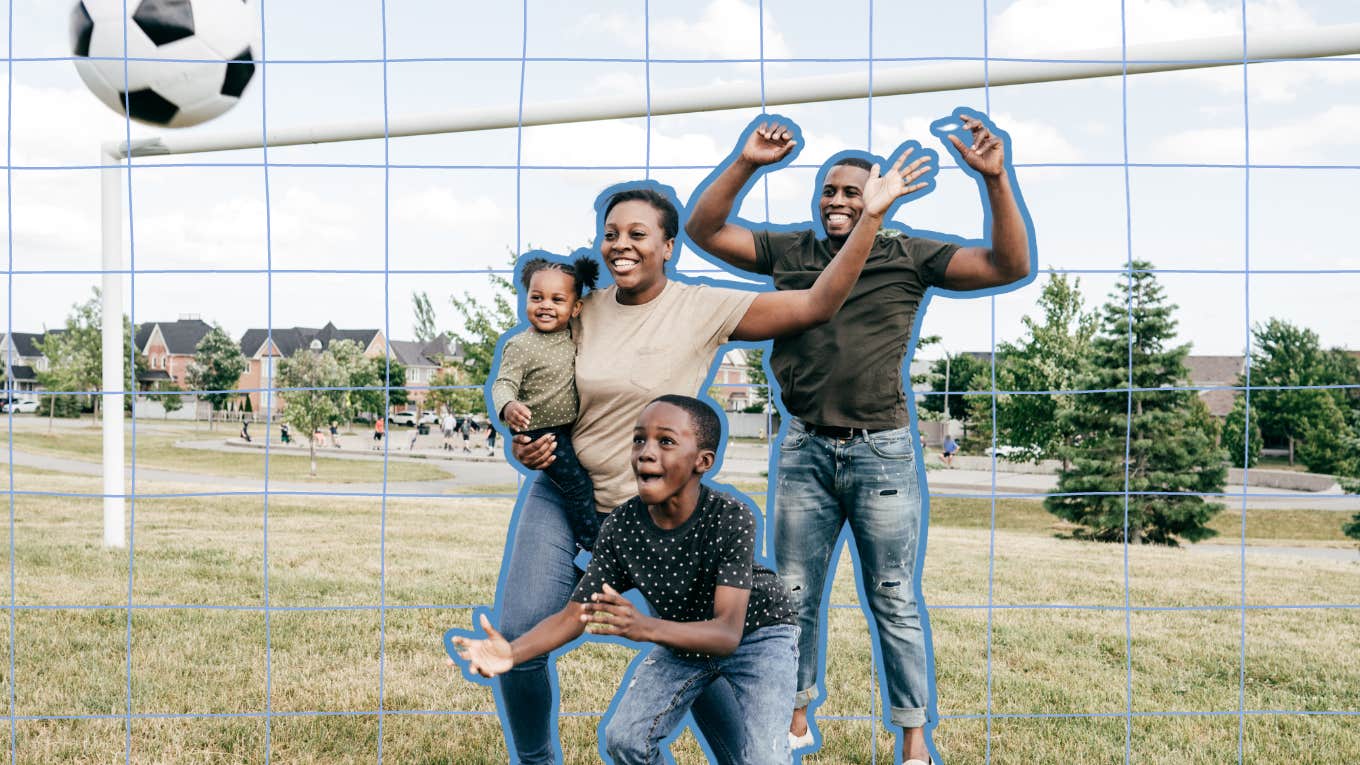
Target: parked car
pixel 402 418
pixel 28 406
pixel 429 418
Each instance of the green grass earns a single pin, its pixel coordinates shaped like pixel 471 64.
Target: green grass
pixel 156 449
pixel 326 554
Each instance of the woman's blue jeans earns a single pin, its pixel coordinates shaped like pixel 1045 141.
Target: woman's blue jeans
pixel 537 578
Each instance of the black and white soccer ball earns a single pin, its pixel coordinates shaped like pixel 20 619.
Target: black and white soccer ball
pixel 221 34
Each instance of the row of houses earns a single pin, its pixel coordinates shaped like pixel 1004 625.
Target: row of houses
pixel 169 348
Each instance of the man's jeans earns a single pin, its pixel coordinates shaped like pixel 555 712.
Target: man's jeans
pixel 761 674
pixel 871 483
pixel 537 580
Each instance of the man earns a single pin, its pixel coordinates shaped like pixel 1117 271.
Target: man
pixel 849 455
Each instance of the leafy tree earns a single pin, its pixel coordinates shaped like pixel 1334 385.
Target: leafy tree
pixel 1235 427
pixel 1284 355
pixel 75 356
pixel 444 393
pixel 950 377
pixel 483 326
pixel 170 402
pixel 1153 438
pixel 216 369
pixel 1053 355
pixel 426 323
pixel 755 372
pixel 309 407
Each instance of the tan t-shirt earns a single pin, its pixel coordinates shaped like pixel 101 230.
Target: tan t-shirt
pixel 628 355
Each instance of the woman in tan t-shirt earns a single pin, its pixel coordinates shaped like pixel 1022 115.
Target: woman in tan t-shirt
pixel 643 336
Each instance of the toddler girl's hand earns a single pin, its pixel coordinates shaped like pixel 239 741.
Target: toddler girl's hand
pixel 517 415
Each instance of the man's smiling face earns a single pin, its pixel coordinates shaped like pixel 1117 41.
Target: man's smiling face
pixel 842 200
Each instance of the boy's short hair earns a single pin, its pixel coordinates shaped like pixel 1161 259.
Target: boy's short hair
pixel 707 426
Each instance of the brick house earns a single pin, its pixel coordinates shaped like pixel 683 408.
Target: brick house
pixel 169 347
pixel 731 387
pixel 257 348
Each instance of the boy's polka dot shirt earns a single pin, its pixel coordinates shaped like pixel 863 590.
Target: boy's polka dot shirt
pixel 678 570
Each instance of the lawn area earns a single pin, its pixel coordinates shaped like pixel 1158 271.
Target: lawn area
pixel 156 449
pixel 1058 639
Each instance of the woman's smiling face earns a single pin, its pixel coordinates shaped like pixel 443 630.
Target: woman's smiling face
pixel 635 249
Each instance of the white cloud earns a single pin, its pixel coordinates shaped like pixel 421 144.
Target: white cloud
pixel 1043 28
pixel 1311 139
pixel 1031 140
pixel 724 29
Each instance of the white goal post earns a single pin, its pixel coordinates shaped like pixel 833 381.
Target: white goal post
pixel 1202 53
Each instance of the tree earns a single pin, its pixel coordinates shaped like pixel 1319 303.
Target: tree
pixel 1286 356
pixel 1234 428
pixel 216 369
pixel 75 357
pixel 760 384
pixel 170 402
pixel 1151 440
pixel 444 392
pixel 313 394
pixel 1052 356
pixel 1352 529
pixel 483 326
pixel 426 323
pixel 950 377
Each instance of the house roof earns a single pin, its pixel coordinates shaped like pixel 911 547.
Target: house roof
pixel 24 373
pixel 25 343
pixel 1214 370
pixel 1220 401
pixel 154 375
pixel 414 353
pixel 181 337
pixel 288 340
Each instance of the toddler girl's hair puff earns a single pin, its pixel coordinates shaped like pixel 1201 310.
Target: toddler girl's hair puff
pixel 584 272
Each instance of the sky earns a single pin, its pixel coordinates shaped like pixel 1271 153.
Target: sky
pixel 432 215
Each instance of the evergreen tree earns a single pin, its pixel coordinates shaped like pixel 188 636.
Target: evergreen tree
pixel 1052 356
pixel 217 368
pixel 954 375
pixel 755 372
pixel 1143 440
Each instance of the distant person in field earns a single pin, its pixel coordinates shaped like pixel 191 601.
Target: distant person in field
pixel 949 448
pixel 649 333
pixel 534 387
pixel 849 453
pixel 719 616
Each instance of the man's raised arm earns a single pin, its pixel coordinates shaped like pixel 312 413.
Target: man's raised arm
pixel 708 227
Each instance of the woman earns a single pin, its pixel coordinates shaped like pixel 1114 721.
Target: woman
pixel 644 336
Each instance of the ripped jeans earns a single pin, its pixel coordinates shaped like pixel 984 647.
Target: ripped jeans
pixel 761 675
pixel 871 483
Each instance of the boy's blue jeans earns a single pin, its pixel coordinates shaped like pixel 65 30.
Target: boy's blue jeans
pixel 869 482
pixel 537 579
pixel 761 674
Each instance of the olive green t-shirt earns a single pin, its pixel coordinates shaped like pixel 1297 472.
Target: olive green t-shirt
pixel 848 372
pixel 538 369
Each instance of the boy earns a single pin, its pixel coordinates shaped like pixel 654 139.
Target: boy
pixel 690 550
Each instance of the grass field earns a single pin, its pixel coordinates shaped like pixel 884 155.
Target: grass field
pixel 1058 639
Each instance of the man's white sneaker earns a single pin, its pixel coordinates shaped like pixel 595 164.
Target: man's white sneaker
pixel 918 762
pixel 801 742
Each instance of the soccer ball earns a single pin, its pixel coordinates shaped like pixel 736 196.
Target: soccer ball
pixel 221 33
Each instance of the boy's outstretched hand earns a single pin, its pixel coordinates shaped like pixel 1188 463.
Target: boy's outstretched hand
pixel 882 190
pixel 609 613
pixel 489 657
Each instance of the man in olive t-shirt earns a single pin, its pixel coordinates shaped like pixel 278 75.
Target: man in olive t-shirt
pixel 849 454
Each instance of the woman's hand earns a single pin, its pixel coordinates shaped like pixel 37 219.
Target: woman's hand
pixel 536 453
pixel 609 613
pixel 517 415
pixel 880 191
pixel 489 657
pixel 767 144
